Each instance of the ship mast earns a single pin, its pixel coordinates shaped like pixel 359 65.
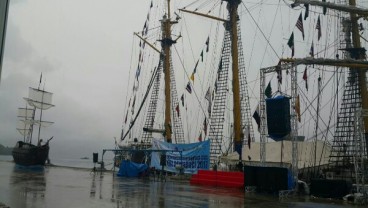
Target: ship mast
pixel 360 56
pixel 233 11
pixel 360 52
pixel 355 61
pixel 166 43
pixel 238 84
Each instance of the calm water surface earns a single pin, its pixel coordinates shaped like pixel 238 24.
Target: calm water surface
pixel 74 187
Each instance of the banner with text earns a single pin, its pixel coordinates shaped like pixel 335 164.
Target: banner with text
pixel 191 156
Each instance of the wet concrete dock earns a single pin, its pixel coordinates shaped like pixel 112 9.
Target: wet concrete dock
pixel 73 187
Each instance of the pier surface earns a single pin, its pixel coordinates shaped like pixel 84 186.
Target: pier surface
pixel 75 187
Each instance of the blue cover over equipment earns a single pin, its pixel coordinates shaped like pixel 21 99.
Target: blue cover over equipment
pixel 131 169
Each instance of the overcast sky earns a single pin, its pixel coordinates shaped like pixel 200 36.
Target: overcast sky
pixel 82 49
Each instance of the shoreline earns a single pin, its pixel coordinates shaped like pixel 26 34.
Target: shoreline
pixel 2 205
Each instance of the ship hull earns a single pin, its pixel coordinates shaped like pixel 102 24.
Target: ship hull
pixel 27 154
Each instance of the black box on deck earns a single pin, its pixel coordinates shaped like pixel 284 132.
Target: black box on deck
pixel 95 157
pixel 266 179
pixel 330 188
pixel 278 117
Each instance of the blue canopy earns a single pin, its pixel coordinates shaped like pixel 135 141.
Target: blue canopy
pixel 131 169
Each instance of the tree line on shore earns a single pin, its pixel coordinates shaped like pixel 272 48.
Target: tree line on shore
pixel 5 150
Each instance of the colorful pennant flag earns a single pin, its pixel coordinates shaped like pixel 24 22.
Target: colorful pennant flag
pixel 192 77
pixel 291 44
pixel 268 91
pixel 182 100
pixel 299 24
pixel 177 110
pixel 207 43
pixel 256 117
pixel 200 137
pixel 188 88
pixel 305 78
pixel 195 68
pixel 138 72
pixel 318 28
pixel 311 51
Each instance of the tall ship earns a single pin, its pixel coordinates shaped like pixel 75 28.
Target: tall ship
pixel 311 53
pixel 32 150
pixel 316 120
pixel 195 108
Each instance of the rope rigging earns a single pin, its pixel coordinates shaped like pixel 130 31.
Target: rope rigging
pixel 143 101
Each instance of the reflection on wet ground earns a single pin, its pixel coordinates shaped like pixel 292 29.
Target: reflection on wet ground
pixel 27 186
pixel 71 187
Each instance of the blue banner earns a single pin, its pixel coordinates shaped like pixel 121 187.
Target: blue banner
pixel 191 157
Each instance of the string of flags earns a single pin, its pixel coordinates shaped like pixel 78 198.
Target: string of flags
pixel 299 25
pixel 202 54
pixel 188 88
pixel 142 45
pixel 291 44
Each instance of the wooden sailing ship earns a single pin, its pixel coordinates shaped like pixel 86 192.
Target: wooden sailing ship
pixel 27 152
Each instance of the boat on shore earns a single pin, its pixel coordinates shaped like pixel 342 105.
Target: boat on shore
pixel 26 152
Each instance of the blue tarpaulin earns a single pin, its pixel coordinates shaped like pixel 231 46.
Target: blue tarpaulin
pixel 191 157
pixel 131 169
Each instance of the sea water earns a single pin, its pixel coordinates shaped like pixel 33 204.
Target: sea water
pixel 59 186
pixel 71 162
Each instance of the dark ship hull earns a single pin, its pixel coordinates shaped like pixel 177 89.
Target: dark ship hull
pixel 27 154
